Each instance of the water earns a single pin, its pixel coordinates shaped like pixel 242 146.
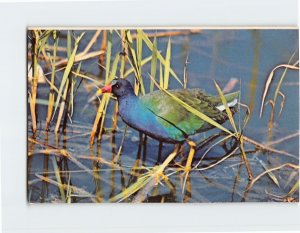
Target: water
pixel 246 55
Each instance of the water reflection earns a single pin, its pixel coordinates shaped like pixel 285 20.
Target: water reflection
pixel 255 69
pixel 110 176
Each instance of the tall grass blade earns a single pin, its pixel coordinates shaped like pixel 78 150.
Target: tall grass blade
pixel 135 64
pixel 108 55
pixel 139 43
pixel 140 183
pixel 294 189
pixel 167 65
pixel 94 82
pixel 67 72
pixel 282 78
pixel 244 157
pixel 73 82
pixel 114 67
pixel 104 108
pixel 43 38
pixel 185 73
pixel 144 61
pixel 154 174
pixel 159 56
pixel 69 191
pixel 34 84
pixel 228 111
pixel 62 107
pixel 153 64
pixel 131 48
pixel 106 97
pixel 122 67
pixel 57 175
pixel 65 187
pixel 270 174
pixel 98 117
pixel 269 81
pixel 51 93
pixel 69 44
pixel 161 77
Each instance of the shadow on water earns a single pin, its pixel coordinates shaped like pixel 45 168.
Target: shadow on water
pixel 65 168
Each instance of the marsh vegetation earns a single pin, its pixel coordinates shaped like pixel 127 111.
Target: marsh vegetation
pixel 79 150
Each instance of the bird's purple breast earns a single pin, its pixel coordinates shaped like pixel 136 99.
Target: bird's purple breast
pixel 139 117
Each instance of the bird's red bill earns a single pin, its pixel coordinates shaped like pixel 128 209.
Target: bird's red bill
pixel 106 89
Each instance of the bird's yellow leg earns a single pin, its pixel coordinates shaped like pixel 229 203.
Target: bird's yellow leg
pixel 188 165
pixel 189 161
pixel 161 168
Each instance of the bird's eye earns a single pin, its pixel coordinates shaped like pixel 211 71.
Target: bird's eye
pixel 117 86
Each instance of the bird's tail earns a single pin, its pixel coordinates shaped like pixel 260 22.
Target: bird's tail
pixel 232 100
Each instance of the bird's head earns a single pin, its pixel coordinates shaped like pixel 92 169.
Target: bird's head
pixel 119 87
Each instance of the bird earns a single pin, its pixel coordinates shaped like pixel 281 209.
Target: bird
pixel 160 116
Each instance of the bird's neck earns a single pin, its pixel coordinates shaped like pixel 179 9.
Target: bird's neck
pixel 128 97
pixel 127 105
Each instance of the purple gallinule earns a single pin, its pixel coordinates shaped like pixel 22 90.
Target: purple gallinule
pixel 161 117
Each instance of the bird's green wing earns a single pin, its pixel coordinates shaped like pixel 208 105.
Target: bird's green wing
pixel 171 113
